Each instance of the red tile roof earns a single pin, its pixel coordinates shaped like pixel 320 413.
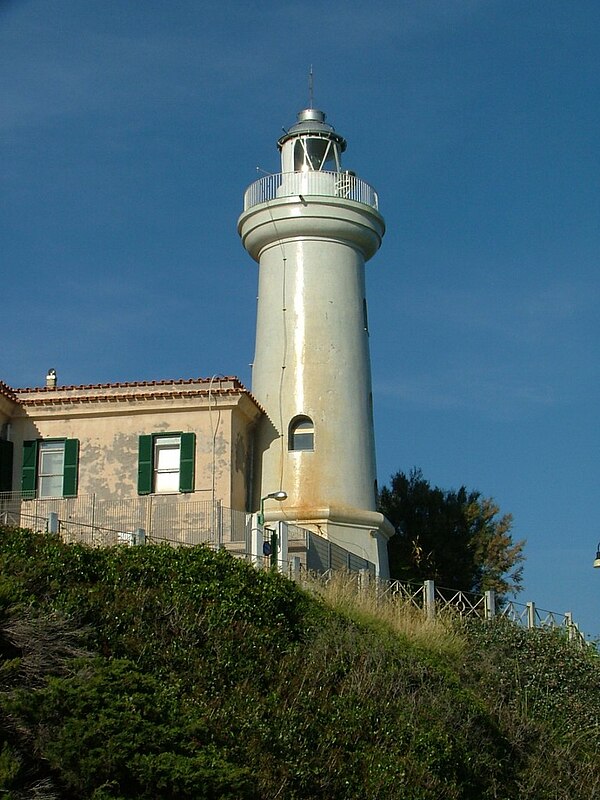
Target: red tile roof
pixel 150 390
pixel 131 384
pixel 7 391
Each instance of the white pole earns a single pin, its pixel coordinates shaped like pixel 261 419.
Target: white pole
pixel 256 541
pixel 282 544
pixel 429 587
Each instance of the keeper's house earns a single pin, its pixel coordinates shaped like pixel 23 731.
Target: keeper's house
pixel 152 455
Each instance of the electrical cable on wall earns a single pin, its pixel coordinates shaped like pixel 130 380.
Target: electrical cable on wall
pixel 213 430
pixel 285 345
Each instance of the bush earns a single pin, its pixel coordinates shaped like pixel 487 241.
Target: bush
pixel 184 673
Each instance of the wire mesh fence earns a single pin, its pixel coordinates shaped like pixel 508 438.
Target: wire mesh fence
pixel 171 520
pixel 99 522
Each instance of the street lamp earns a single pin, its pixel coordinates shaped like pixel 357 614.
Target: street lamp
pixel 279 496
pixel 597 559
pixel 271 550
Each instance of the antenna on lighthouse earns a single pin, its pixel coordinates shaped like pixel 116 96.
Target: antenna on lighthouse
pixel 310 87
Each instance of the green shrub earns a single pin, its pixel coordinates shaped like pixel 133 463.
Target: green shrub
pixel 183 673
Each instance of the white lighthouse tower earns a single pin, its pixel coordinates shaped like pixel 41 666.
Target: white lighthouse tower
pixel 311 228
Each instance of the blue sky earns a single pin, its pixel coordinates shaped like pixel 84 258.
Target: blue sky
pixel 130 130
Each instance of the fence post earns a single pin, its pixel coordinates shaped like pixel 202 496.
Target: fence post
pixel 570 625
pixel 429 593
pixel 148 503
pixel 363 580
pixel 218 523
pixel 93 525
pixel 531 614
pixel 53 524
pixel 139 536
pixel 295 566
pixel 489 603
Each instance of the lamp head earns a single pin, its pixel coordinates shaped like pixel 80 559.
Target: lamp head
pixel 597 559
pixel 281 495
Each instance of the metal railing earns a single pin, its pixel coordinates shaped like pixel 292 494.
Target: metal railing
pixel 87 519
pixel 434 600
pixel 322 554
pixel 168 519
pixel 528 615
pixel 411 594
pixel 310 184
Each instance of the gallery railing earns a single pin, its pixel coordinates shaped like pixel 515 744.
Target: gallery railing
pixel 310 184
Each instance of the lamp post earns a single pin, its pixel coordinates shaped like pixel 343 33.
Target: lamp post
pixel 280 497
pixel 597 559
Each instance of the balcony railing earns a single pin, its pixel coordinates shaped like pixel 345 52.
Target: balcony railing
pixel 310 184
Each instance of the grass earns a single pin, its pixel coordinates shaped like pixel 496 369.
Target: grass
pixel 390 614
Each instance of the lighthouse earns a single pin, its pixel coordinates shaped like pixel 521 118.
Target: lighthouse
pixel 311 227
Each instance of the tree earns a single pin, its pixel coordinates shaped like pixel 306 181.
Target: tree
pixel 456 538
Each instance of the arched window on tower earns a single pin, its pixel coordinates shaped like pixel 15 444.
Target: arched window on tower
pixel 301 434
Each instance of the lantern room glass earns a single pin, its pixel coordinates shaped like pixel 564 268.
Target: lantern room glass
pixel 315 154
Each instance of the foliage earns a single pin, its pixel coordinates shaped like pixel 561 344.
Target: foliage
pixel 546 693
pixel 453 537
pixel 112 726
pixel 183 673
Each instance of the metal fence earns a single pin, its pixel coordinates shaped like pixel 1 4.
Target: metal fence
pixel 310 184
pixel 321 555
pixel 103 522
pixel 434 600
pixel 528 615
pixel 167 519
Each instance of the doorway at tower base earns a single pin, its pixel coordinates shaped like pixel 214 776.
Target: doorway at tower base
pixel 363 533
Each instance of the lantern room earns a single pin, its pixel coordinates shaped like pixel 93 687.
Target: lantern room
pixel 311 145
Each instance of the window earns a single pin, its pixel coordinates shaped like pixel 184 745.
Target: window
pixel 50 467
pixel 166 463
pixel 301 434
pixel 315 154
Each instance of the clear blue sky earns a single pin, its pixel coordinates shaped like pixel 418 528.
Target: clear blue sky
pixel 129 131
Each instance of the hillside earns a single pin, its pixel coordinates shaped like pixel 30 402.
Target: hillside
pixel 154 672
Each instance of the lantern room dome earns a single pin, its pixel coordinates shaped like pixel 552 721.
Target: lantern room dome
pixel 311 122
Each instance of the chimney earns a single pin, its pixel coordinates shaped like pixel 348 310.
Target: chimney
pixel 51 379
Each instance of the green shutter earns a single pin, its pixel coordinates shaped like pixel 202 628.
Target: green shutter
pixel 71 467
pixel 187 462
pixel 29 473
pixel 145 465
pixel 6 464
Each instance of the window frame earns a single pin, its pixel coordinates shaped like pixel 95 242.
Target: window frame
pixel 163 468
pixel 31 468
pixel 301 427
pixel 307 157
pixel 50 468
pixel 147 462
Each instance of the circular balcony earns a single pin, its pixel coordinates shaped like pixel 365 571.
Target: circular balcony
pixel 344 185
